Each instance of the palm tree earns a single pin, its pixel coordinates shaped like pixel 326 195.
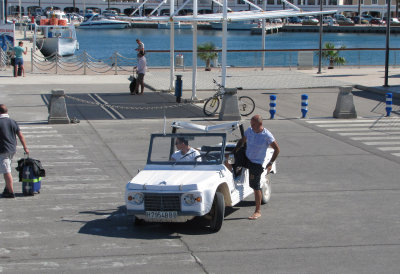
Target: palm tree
pixel 332 55
pixel 207 53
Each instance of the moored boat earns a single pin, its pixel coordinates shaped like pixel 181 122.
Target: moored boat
pixel 97 21
pixel 59 35
pixel 235 25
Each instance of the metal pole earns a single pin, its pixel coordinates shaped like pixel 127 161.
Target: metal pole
pixel 171 47
pixel 386 84
pixel 320 39
pixel 194 57
pixel 224 42
pixel 263 37
pixel 32 52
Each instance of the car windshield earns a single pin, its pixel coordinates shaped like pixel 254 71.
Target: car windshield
pixel 187 149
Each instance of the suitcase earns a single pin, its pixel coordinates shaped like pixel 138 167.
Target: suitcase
pixel 30 174
pixel 30 183
pixel 132 85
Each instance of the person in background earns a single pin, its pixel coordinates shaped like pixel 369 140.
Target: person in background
pixel 141 70
pixel 140 47
pixel 19 60
pixel 9 129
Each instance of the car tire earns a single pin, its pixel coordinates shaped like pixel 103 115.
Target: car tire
pixel 137 221
pixel 266 190
pixel 217 212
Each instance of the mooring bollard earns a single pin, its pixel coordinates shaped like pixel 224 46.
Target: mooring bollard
pixel 304 105
pixel 389 98
pixel 272 106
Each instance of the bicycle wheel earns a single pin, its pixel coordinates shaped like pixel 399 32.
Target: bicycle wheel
pixel 211 106
pixel 246 105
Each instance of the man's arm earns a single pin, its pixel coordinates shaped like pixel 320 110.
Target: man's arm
pixel 22 139
pixel 276 148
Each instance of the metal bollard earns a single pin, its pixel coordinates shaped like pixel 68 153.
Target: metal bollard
pixel 178 88
pixel 304 105
pixel 272 106
pixel 389 97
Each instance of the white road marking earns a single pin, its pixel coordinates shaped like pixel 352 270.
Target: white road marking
pixel 396 154
pixel 43 136
pixel 369 133
pixel 381 143
pixel 35 127
pixel 67 164
pixel 380 138
pixel 48 146
pixel 39 132
pixel 358 125
pixel 363 129
pixel 339 121
pixel 388 148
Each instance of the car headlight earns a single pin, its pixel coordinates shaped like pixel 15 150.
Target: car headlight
pixel 136 197
pixel 191 199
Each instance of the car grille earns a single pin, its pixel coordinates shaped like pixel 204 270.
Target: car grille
pixel 162 202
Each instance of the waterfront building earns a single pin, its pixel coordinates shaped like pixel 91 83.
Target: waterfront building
pixel 376 8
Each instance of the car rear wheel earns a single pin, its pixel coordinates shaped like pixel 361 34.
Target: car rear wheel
pixel 217 212
pixel 266 190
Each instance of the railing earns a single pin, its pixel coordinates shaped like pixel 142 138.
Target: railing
pixel 118 64
pixel 82 63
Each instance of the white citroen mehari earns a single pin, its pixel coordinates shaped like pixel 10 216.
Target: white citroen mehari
pixel 177 191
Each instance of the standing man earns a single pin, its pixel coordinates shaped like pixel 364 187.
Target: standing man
pixel 258 140
pixel 140 47
pixel 9 129
pixel 141 70
pixel 19 59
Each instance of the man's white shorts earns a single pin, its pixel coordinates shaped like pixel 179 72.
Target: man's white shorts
pixel 5 162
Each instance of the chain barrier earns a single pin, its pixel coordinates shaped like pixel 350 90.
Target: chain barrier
pixel 123 107
pixel 84 61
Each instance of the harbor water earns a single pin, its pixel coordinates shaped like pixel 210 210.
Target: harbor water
pixel 102 44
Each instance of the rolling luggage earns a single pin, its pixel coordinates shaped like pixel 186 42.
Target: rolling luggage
pixel 30 174
pixel 132 85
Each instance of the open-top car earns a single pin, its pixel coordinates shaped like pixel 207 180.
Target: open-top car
pixel 172 189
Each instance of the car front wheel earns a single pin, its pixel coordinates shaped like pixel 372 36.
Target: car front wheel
pixel 217 212
pixel 266 190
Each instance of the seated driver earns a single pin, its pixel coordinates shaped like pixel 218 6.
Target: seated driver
pixel 185 153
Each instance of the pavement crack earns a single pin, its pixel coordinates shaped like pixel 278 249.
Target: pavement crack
pixel 198 261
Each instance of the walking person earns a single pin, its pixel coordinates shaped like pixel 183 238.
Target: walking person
pixel 258 140
pixel 141 70
pixel 9 129
pixel 19 60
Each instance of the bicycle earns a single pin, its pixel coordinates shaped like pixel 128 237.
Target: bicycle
pixel 246 104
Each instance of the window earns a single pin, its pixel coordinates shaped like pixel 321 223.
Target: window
pixel 311 2
pixel 348 2
pixel 270 2
pixel 374 2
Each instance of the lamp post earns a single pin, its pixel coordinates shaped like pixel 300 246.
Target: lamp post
pixel 386 84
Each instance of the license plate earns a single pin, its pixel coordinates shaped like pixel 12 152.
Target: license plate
pixel 161 214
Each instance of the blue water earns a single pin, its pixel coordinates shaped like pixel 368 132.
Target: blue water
pixel 102 44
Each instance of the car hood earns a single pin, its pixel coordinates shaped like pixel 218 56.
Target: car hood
pixel 175 180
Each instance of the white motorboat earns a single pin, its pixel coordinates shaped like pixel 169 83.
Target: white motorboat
pixel 177 25
pixel 235 25
pixel 59 35
pixel 57 39
pixel 97 21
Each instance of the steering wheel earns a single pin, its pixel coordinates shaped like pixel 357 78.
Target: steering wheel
pixel 207 156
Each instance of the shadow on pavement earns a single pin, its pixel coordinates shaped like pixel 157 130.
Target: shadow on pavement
pixel 119 106
pixel 115 223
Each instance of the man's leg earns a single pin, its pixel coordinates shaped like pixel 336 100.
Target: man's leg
pixel 23 70
pixel 9 182
pixel 16 70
